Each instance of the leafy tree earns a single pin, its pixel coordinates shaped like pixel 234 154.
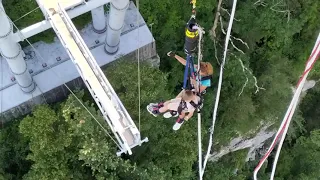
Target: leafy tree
pixel 13 152
pixel 299 162
pixel 65 142
pixel 166 149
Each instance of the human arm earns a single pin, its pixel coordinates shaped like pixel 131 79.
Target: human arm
pixel 179 58
pixel 195 85
pixel 202 88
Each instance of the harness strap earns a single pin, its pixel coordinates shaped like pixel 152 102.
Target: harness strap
pixel 194 104
pixel 206 78
pixel 182 106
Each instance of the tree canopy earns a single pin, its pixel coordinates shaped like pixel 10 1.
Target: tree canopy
pixel 270 44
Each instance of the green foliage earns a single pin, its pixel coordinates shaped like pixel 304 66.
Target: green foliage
pixel 66 143
pixel 300 161
pixel 164 144
pixel 13 152
pixel 228 167
pixel 310 113
pixel 49 144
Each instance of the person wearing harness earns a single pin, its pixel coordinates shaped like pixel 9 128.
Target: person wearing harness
pixel 185 105
pixel 206 71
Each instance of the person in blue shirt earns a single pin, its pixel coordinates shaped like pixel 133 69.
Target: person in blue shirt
pixel 206 71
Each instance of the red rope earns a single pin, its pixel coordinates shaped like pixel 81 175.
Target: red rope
pixel 287 119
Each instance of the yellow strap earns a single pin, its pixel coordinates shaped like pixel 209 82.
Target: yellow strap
pixel 191 34
pixel 193 2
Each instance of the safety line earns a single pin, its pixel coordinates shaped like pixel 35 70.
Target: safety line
pixel 201 32
pixel 26 14
pixel 219 85
pixel 138 57
pixel 1 95
pixel 287 118
pixel 299 90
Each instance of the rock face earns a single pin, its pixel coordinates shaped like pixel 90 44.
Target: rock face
pixel 242 143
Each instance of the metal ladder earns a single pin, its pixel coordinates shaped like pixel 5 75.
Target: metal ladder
pixel 113 111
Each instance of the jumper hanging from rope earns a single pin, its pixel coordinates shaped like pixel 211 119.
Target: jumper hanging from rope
pixel 193 72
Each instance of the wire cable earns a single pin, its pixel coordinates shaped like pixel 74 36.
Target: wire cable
pixel 1 94
pixel 287 118
pixel 298 91
pixel 201 32
pixel 26 14
pixel 219 85
pixel 42 59
pixel 138 57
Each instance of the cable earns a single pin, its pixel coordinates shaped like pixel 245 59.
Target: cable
pixel 1 95
pixel 292 111
pixel 42 59
pixel 287 119
pixel 309 65
pixel 26 14
pixel 138 57
pixel 201 32
pixel 219 85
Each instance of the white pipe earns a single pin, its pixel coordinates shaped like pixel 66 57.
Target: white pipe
pixel 13 53
pixel 45 25
pixel 99 23
pixel 117 13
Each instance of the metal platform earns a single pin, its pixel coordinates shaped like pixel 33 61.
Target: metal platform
pixel 56 57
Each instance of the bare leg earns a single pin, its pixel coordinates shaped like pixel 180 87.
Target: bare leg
pixel 165 107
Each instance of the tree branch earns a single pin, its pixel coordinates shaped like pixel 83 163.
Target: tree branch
pixel 286 12
pixel 232 37
pixel 260 3
pixel 215 23
pixel 225 10
pixel 244 69
pixel 215 51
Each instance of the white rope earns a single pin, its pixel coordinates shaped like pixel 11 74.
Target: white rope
pixel 316 52
pixel 43 61
pixel 138 57
pixel 201 32
pixel 219 85
pixel 288 116
pixel 1 95
pixel 26 14
pixel 199 114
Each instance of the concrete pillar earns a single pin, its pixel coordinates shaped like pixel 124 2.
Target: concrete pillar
pixel 115 24
pixel 98 20
pixel 13 53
